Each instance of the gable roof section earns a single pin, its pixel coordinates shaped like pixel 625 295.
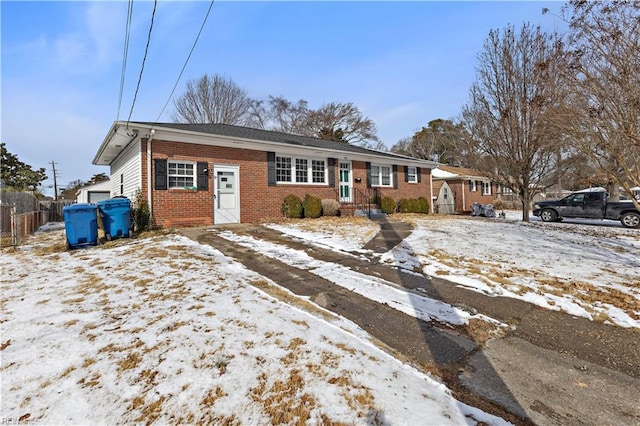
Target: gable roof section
pixel 121 134
pixel 452 173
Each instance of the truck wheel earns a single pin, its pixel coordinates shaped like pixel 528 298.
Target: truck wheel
pixel 549 215
pixel 630 220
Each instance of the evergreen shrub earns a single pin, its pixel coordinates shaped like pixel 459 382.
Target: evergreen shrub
pixel 292 207
pixel 312 207
pixel 387 205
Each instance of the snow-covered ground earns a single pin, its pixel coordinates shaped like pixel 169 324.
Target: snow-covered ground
pixel 164 330
pixel 586 268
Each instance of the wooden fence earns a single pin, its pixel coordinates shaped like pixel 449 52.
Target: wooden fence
pixel 21 214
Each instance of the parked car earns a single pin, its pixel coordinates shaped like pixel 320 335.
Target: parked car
pixel 592 205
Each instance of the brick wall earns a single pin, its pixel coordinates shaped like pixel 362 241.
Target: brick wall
pixel 405 189
pixel 258 200
pixel 470 197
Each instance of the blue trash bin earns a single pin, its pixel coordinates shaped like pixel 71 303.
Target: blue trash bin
pixel 116 217
pixel 81 225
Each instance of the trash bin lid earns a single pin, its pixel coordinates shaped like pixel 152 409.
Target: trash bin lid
pixel 114 202
pixel 79 207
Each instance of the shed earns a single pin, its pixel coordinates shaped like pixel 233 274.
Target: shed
pixel 94 193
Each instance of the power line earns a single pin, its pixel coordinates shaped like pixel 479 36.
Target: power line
pixel 125 53
pixel 187 60
pixel 146 49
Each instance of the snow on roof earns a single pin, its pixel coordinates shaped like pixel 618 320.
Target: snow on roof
pixel 594 189
pixel 439 173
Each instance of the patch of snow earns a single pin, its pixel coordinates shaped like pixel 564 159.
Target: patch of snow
pixel 51 226
pixel 439 173
pixel 164 330
pixel 376 289
pixel 562 266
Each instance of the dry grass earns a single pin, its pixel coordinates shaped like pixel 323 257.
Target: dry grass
pixel 342 226
pixel 92 381
pixel 211 396
pixel 482 331
pixel 284 401
pixel 149 412
pixel 130 362
pixel 87 362
pixel 293 300
pixel 68 371
pixel 588 295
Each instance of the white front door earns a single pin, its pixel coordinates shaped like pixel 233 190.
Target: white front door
pixel 226 195
pixel 345 182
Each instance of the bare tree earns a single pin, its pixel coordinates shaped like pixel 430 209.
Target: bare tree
pixel 444 141
pixel 288 117
pixel 601 113
pixel 215 100
pixel 343 123
pixel 333 121
pixel 516 87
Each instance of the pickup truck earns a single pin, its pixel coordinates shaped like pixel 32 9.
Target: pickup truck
pixel 592 205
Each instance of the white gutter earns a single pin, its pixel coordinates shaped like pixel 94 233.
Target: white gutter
pixel 464 202
pixel 149 176
pixel 431 188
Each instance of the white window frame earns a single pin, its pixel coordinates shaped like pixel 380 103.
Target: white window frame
pixel 486 188
pixel 473 186
pixel 191 176
pixel 377 176
pixel 309 176
pixel 412 174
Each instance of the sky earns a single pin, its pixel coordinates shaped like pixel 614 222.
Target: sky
pixel 402 64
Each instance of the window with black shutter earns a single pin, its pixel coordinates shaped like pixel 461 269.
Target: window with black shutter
pixel 160 176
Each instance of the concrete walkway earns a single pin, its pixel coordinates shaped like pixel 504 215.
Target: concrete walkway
pixel 550 368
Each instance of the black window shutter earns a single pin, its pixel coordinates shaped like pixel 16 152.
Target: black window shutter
pixel 271 168
pixel 368 164
pixel 395 177
pixel 419 174
pixel 332 172
pixel 203 176
pixel 406 173
pixel 160 174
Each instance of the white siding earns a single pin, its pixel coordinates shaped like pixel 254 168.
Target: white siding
pixel 128 168
pixel 83 193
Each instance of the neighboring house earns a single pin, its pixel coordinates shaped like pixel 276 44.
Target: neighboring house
pixel 456 189
pixel 94 193
pixel 203 174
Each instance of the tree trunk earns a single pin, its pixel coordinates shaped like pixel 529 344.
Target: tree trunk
pixel 614 191
pixel 526 200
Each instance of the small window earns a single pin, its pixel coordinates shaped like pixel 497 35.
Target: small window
pixel 283 169
pixel 472 186
pixel 181 174
pixel 412 175
pixel 317 171
pixel 302 174
pixel 381 175
pixel 375 175
pixel 486 188
pixel 122 184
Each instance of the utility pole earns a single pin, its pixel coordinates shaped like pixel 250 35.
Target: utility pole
pixel 55 181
